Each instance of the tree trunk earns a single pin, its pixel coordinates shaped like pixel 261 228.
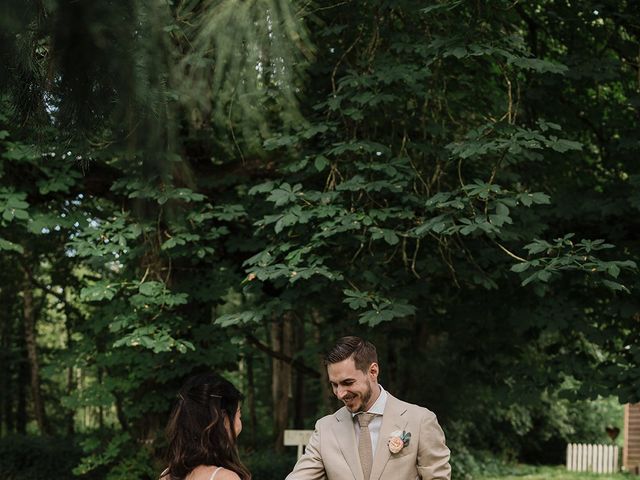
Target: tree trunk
pixel 21 387
pixel 327 399
pixel 100 409
pixel 7 406
pixel 120 414
pixel 251 401
pixel 299 410
pixel 32 353
pixel 392 375
pixel 281 340
pixel 70 420
pixel 5 375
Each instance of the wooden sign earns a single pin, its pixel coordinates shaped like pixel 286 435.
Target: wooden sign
pixel 298 438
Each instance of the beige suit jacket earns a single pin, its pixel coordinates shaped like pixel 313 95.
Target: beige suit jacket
pixel 332 453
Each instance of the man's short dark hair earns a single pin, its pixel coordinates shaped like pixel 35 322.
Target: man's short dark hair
pixel 363 352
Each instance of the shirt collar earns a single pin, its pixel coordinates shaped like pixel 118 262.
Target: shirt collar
pixel 380 403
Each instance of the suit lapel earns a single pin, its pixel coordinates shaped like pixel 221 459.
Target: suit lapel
pixel 392 419
pixel 346 436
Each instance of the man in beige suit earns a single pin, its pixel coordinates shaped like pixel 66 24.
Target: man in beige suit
pixel 374 436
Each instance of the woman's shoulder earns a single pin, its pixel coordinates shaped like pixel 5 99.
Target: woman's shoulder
pixel 206 472
pixel 225 474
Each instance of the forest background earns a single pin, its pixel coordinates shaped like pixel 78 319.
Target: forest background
pixel 227 185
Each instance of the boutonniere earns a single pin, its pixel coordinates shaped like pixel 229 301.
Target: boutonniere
pixel 398 440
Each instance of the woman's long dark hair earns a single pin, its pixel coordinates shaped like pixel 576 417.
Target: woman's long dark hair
pixel 197 431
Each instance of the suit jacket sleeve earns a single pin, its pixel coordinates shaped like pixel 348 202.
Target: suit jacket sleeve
pixel 433 453
pixel 310 465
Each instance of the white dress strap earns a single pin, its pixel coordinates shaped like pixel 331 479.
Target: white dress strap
pixel 213 475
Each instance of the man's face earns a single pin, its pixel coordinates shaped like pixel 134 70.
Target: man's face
pixel 358 390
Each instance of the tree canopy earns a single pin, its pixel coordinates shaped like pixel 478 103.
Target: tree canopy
pixel 234 185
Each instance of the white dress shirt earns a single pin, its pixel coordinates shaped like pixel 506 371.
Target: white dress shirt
pixel 376 422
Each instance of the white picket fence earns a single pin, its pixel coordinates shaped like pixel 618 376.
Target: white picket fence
pixel 592 458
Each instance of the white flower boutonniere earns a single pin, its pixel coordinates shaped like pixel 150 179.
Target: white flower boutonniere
pixel 398 440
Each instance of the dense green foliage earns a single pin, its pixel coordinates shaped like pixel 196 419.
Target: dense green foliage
pixel 38 458
pixel 203 186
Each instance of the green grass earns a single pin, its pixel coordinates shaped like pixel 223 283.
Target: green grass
pixel 527 472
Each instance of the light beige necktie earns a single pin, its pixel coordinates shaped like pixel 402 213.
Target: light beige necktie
pixel 364 443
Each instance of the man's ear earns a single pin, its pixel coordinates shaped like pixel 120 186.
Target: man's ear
pixel 374 370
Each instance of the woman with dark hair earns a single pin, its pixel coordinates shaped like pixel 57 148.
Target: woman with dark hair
pixel 202 432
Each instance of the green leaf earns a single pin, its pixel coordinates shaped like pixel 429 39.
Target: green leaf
pixel 151 289
pixel 390 236
pixel 544 275
pixel 99 291
pixel 286 220
pixel 284 194
pixel 228 212
pixel 541 198
pixel 538 246
pixel 615 286
pixel 467 229
pixel 187 195
pixel 62 183
pixel 241 318
pixel 386 311
pixel 155 338
pixel 261 188
pixel 13 205
pixel 502 209
pixel 375 317
pixel 10 246
pixel 321 162
pixel 538 65
pixel 562 146
pixel 520 267
pixel 21 214
pixel 613 270
pixel 529 279
pixel 356 300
